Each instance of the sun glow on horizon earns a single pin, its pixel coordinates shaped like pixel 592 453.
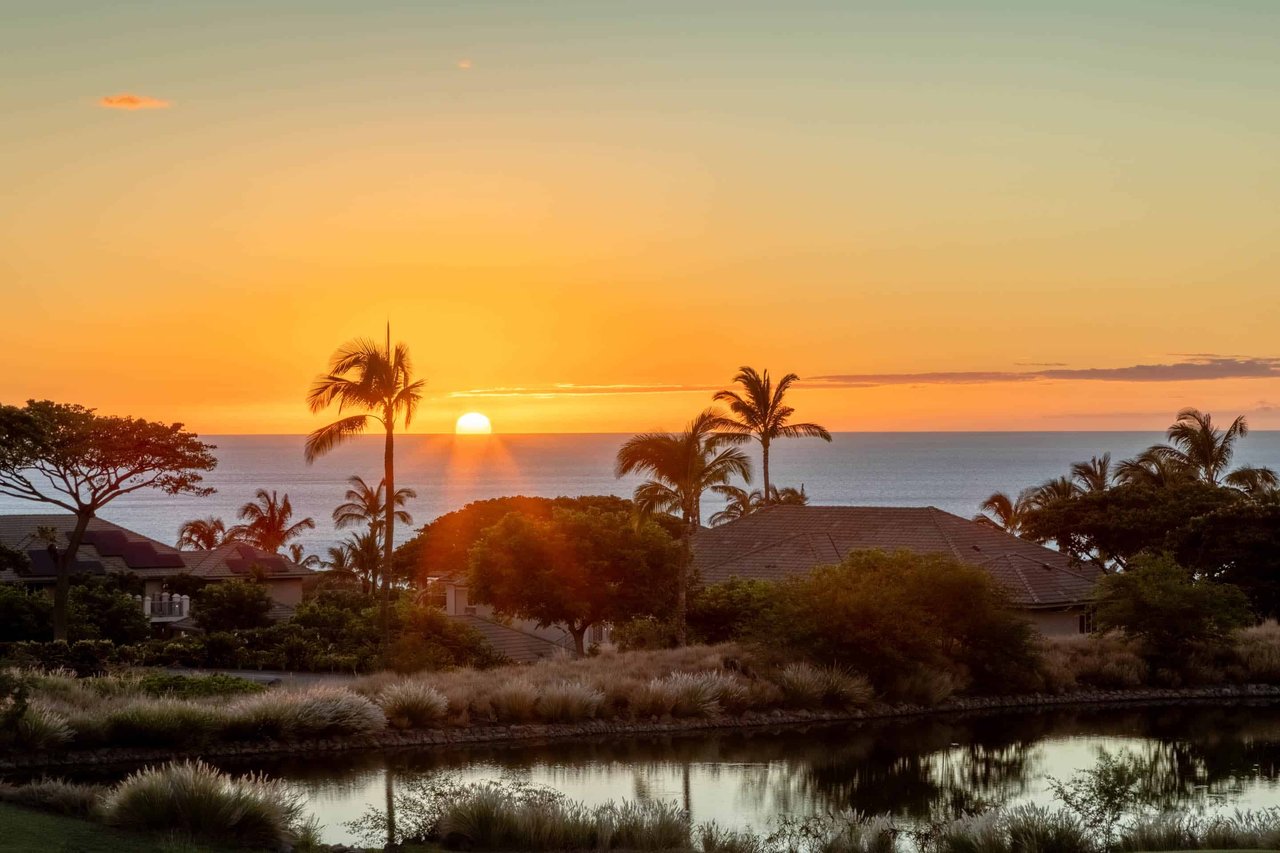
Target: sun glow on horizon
pixel 473 423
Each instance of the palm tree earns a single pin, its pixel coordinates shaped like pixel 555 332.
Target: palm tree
pixel 379 381
pixel 365 507
pixel 759 411
pixel 1254 481
pixel 1151 468
pixel 739 502
pixel 202 534
pixel 268 522
pixel 1051 491
pixel 681 467
pixel 1194 442
pixel 1008 514
pixel 1093 476
pixel 299 555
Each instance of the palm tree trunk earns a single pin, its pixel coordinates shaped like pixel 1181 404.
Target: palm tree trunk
pixel 764 467
pixel 682 585
pixel 388 547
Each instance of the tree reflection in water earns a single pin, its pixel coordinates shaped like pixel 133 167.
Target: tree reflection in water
pixel 914 769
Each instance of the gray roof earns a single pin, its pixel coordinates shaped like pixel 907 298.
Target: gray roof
pixel 112 548
pixel 783 541
pixel 512 643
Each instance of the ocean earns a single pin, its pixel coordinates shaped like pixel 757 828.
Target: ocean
pixel 952 471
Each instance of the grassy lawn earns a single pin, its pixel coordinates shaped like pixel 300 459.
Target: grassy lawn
pixel 26 830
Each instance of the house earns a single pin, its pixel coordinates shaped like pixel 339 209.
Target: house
pixel 110 548
pixel 519 640
pixel 782 541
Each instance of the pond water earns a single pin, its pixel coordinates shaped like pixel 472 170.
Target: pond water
pixel 1204 758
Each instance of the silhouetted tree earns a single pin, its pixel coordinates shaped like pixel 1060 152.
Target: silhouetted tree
pixel 379 381
pixel 70 457
pixel 268 522
pixel 758 410
pixel 681 467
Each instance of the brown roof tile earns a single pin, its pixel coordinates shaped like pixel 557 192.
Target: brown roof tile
pixel 783 541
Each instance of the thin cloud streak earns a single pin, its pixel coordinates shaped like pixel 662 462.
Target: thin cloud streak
pixel 1184 371
pixel 570 390
pixel 129 101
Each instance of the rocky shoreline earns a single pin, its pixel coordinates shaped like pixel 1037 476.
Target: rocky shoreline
pixel 534 732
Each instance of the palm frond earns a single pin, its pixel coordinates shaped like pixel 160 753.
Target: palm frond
pixel 328 437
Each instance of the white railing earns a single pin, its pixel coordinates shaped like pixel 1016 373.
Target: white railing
pixel 164 607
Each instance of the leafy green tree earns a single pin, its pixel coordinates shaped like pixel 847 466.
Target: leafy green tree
pixel 733 610
pixel 681 468
pixel 1169 610
pixel 1239 544
pixel 892 615
pixel 24 615
pixel 575 569
pixel 232 606
pixel 442 548
pixel 379 381
pixel 1116 524
pixel 759 410
pixel 102 610
pixel 70 457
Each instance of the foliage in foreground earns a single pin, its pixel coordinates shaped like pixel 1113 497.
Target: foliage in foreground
pixel 205 804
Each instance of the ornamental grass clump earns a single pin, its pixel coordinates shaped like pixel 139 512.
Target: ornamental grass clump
pixel 54 795
pixel 807 686
pixel 568 702
pixel 694 695
pixel 1258 649
pixel 413 705
pixel 514 702
pixel 150 723
pixel 199 802
pixel 41 728
pixel 312 713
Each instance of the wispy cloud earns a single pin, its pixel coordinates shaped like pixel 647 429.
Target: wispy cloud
pixel 1190 370
pixel 129 101
pixel 571 390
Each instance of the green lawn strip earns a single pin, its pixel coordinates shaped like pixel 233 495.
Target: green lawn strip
pixel 26 830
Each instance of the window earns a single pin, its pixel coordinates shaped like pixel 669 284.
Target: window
pixel 1086 621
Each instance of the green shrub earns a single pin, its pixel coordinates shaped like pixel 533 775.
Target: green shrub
pixel 54 795
pixel 312 713
pixel 568 702
pixel 185 687
pixel 413 705
pixel 894 614
pixel 232 605
pixel 204 804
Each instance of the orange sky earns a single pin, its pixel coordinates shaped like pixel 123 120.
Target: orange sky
pixel 577 195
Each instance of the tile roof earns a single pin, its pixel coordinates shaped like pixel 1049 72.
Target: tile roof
pixel 111 548
pixel 783 541
pixel 512 643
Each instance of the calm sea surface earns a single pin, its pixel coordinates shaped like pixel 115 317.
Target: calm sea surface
pixel 952 471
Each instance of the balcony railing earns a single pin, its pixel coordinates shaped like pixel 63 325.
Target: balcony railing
pixel 164 607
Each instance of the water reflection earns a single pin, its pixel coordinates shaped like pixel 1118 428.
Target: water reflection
pixel 1198 757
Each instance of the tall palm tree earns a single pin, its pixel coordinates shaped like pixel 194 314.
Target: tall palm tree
pixel 202 534
pixel 681 467
pixel 1051 491
pixel 759 411
pixel 1008 514
pixel 1194 442
pixel 378 380
pixel 268 522
pixel 1093 476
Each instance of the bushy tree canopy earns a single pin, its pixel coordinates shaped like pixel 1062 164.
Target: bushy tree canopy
pixel 232 605
pixel 575 568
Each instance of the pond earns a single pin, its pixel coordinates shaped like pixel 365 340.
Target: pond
pixel 1204 758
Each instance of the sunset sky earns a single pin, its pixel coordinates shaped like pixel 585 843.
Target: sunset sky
pixel 584 216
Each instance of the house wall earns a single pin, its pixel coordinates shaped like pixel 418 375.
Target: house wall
pixel 286 591
pixel 1056 623
pixel 456 603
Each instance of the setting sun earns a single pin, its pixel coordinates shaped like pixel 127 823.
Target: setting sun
pixel 473 423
